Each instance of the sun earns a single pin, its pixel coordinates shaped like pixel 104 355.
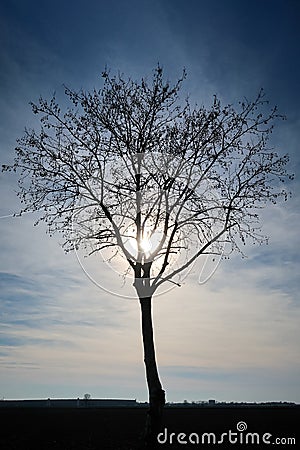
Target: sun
pixel 146 245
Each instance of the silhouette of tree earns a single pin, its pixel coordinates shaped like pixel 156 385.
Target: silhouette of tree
pixel 132 170
pixel 87 397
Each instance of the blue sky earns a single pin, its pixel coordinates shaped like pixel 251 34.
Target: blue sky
pixel 234 338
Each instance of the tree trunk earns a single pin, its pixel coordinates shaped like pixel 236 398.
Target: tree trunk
pixel 156 393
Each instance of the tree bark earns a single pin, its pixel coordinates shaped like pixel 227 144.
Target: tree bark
pixel 156 393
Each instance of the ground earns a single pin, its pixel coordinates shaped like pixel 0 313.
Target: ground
pixel 120 428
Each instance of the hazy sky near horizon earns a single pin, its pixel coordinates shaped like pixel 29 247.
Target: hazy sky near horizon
pixel 234 338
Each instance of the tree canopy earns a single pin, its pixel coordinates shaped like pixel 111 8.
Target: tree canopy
pixel 131 169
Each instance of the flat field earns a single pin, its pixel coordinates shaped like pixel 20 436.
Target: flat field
pixel 120 428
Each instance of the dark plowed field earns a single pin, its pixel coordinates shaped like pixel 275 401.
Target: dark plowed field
pixel 120 428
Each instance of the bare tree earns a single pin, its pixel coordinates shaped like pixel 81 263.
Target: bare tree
pixel 132 170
